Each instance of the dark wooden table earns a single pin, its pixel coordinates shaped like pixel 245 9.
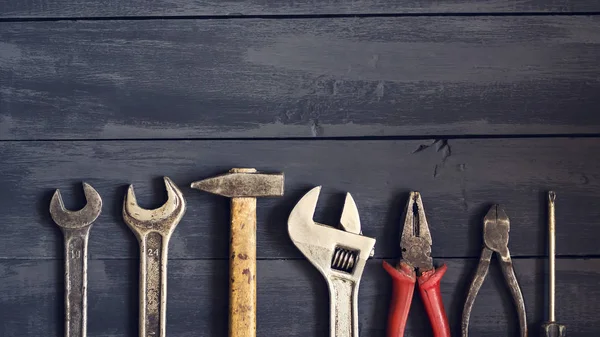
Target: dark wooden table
pixel 469 102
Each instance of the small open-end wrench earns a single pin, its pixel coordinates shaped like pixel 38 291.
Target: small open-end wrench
pixel 153 228
pixel 339 254
pixel 75 226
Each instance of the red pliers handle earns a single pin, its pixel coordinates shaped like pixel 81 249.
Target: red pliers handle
pixel 404 278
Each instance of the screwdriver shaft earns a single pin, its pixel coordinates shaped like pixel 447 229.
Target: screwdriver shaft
pixel 551 254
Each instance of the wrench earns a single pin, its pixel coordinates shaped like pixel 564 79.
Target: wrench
pixel 75 226
pixel 339 254
pixel 153 228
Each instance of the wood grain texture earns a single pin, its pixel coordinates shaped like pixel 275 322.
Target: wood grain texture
pixel 242 268
pixel 458 179
pixel 299 78
pixel 112 8
pixel 292 298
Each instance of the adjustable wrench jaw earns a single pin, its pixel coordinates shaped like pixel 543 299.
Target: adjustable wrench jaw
pixel 319 242
pixel 339 255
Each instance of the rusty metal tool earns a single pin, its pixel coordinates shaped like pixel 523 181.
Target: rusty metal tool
pixel 339 254
pixel 552 328
pixel 496 227
pixel 153 229
pixel 243 186
pixel 416 264
pixel 75 226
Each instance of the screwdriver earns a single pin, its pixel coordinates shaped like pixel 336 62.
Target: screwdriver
pixel 551 328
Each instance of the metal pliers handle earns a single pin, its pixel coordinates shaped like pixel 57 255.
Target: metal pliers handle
pixel 403 282
pixel 496 227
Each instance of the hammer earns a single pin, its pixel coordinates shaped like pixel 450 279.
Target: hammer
pixel 243 186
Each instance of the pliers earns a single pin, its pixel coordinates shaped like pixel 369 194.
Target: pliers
pixel 416 264
pixel 496 226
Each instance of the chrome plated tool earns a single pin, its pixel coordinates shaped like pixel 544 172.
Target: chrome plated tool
pixel 339 254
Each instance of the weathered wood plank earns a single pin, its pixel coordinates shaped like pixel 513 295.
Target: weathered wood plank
pixel 459 181
pixel 299 78
pixel 112 8
pixel 292 298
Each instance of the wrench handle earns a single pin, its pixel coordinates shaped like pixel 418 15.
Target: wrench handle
pixel 153 285
pixel 76 244
pixel 242 268
pixel 429 287
pixel 343 311
pixel 403 289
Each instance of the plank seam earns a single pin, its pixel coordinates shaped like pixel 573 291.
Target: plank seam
pixel 348 138
pixel 237 16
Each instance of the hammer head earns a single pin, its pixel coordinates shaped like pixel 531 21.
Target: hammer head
pixel 243 183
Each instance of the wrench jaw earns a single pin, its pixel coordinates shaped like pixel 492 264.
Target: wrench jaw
pixel 350 220
pixel 340 255
pixel 82 218
pixel 324 245
pixel 163 219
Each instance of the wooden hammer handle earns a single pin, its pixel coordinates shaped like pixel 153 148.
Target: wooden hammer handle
pixel 242 268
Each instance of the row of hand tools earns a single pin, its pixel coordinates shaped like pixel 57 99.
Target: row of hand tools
pixel 340 254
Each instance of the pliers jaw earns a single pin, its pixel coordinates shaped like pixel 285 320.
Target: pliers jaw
pixel 416 268
pixel 415 242
pixel 496 226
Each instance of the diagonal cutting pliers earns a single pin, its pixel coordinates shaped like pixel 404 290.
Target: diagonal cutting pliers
pixel 496 226
pixel 416 265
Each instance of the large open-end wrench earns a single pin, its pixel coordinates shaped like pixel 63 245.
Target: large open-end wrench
pixel 75 226
pixel 153 228
pixel 339 254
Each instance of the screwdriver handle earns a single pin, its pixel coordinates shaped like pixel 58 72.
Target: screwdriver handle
pixel 553 329
pixel 429 287
pixel 403 287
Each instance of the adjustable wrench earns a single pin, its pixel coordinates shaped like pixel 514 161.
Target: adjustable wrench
pixel 339 254
pixel 153 228
pixel 75 226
